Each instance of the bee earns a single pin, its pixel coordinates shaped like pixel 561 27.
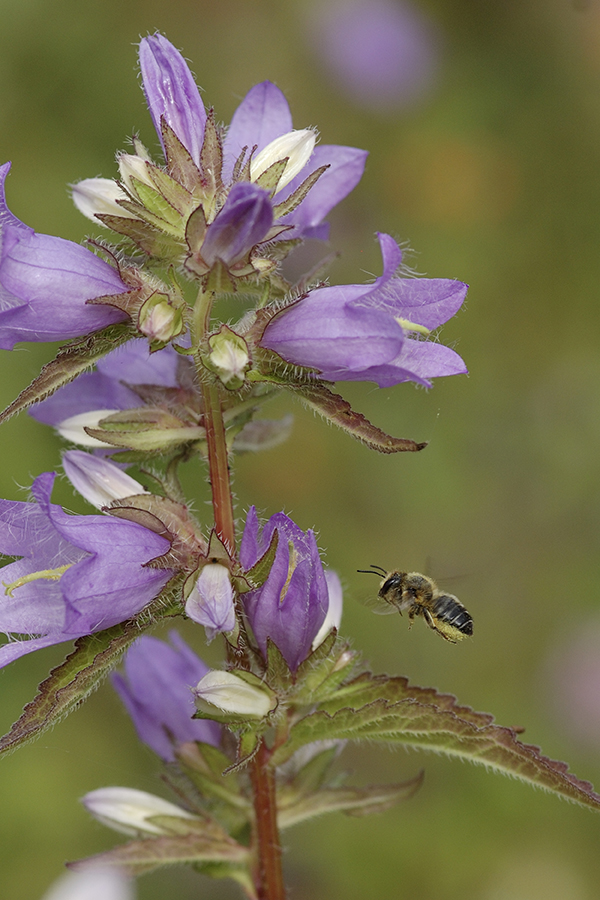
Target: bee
pixel 418 595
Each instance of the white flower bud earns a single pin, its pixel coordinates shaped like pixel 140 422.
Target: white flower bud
pixel 98 480
pixel 297 146
pixel 98 196
pixel 159 319
pixel 72 429
pixel 92 883
pixel 131 166
pixel 229 357
pixel 211 601
pixel 128 810
pixel 334 609
pixel 232 694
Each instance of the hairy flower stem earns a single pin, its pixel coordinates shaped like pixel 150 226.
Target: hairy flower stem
pixel 268 875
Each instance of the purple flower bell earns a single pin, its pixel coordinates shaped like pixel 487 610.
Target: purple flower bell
pixel 291 605
pixel 157 692
pixel 359 332
pixel 76 574
pixel 45 283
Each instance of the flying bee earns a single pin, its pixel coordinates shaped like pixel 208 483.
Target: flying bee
pixel 418 595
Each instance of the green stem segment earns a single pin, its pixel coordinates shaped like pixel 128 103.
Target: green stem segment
pixel 267 874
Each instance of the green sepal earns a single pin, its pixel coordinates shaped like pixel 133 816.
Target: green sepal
pixel 258 574
pixel 350 800
pixel 211 156
pixel 153 241
pixel 146 429
pixel 422 718
pixel 70 361
pixel 70 683
pixel 180 164
pixel 206 766
pixel 277 675
pixel 158 206
pixel 140 856
pixel 294 200
pixel 179 198
pixel 270 178
pixel 320 674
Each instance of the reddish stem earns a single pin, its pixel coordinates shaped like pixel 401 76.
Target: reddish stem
pixel 218 467
pixel 269 877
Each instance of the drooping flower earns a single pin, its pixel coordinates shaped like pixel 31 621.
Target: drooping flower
pixel 359 332
pixel 131 811
pixel 292 604
pixel 45 283
pixel 260 134
pixel 98 480
pixel 76 574
pixel 156 690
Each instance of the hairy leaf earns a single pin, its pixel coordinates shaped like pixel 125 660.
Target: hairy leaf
pixel 70 361
pixel 398 713
pixel 339 412
pixel 70 683
pixel 138 857
pixel 351 800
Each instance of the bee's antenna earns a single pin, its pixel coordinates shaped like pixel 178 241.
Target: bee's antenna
pixel 371 572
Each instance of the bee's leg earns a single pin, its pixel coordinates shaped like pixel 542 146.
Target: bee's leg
pixel 430 620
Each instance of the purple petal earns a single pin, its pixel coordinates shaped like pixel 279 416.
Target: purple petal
pixel 250 549
pixel 211 601
pixel 262 116
pixel 157 692
pixel 346 166
pixel 243 222
pixel 323 332
pixel 45 282
pixel 419 361
pixel 172 93
pixel 15 649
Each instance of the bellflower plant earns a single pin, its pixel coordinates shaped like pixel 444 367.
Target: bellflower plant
pixel 157 379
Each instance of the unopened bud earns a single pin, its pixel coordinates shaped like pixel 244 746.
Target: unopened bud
pixel 334 608
pixel 211 601
pixel 295 146
pixel 159 319
pixel 98 196
pixel 228 358
pixel 98 480
pixel 73 428
pixel 231 694
pixel 131 166
pixel 130 811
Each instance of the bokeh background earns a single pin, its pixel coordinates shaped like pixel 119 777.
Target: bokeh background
pixel 483 125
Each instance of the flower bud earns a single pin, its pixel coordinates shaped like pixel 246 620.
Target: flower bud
pixel 228 358
pixel 131 166
pixel 211 601
pixel 128 810
pixel 73 428
pixel 231 694
pixel 98 196
pixel 159 319
pixel 295 146
pixel 98 480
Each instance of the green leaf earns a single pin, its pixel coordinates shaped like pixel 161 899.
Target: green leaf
pixel 420 717
pixel 353 801
pixel 70 683
pixel 339 412
pixel 71 360
pixel 141 856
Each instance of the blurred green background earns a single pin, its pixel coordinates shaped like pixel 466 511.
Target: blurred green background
pixel 494 178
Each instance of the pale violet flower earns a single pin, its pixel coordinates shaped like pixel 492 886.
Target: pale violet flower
pixel 211 600
pixel 98 480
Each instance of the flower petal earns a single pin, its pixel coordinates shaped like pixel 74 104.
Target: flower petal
pixel 172 93
pixel 262 116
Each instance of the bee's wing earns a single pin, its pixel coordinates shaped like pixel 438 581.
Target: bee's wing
pixel 380 606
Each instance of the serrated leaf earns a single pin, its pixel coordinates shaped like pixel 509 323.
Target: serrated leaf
pixel 352 801
pixel 70 683
pixel 139 857
pixel 423 718
pixel 70 361
pixel 339 412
